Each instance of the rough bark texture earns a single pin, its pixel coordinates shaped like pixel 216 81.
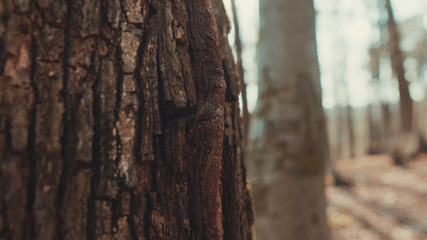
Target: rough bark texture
pixel 112 122
pixel 286 162
pixel 240 70
pixel 237 202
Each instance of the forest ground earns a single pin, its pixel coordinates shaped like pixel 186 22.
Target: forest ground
pixel 384 202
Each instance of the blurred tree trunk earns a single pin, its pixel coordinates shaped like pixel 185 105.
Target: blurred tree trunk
pixel 119 120
pixel 374 146
pixel 342 93
pixel 289 140
pixel 404 146
pixel 350 128
pixel 377 138
pixel 387 127
pixel 348 111
pixel 371 128
pixel 397 59
pixel 340 129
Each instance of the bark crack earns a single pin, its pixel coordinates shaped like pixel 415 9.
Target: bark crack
pixel 143 45
pixel 32 176
pixel 119 88
pixel 96 154
pixel 68 124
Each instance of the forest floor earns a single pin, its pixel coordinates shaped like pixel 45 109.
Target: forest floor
pixel 384 201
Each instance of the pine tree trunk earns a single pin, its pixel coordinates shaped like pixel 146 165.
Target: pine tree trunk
pixel 289 140
pixel 119 120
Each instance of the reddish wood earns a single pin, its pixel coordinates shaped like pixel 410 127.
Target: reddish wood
pixel 112 122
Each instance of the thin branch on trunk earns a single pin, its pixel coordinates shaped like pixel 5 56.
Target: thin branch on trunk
pixel 238 44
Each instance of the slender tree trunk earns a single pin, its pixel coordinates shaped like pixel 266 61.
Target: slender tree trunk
pixel 372 146
pixel 113 122
pixel 350 128
pixel 377 136
pixel 237 207
pixel 289 136
pixel 348 116
pixel 341 141
pixel 238 45
pixel 387 128
pixel 405 145
pixel 376 140
pixel 397 58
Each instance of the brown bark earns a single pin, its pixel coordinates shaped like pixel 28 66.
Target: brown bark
pixel 240 70
pixel 237 202
pixel 398 69
pixel 112 122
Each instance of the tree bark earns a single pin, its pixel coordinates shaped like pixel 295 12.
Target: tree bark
pixel 119 120
pixel 289 136
pixel 240 70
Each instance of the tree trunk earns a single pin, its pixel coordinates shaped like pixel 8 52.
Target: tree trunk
pixel 377 136
pixel 289 136
pixel 373 146
pixel 397 58
pixel 386 126
pixel 119 120
pixel 405 146
pixel 339 133
pixel 350 128
pixel 240 70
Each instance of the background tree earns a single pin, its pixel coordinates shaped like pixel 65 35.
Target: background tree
pixel 288 135
pixel 379 117
pixel 119 120
pixel 398 69
pixel 407 144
